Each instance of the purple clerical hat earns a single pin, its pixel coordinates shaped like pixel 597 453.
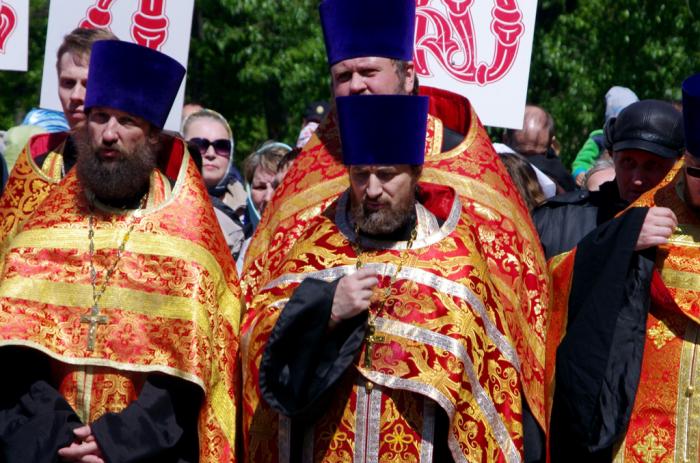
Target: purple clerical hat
pixel 358 28
pixel 691 114
pixel 134 79
pixel 382 129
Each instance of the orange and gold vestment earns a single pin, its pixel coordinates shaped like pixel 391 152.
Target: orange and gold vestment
pixel 449 341
pixel 507 237
pixel 664 425
pixel 172 305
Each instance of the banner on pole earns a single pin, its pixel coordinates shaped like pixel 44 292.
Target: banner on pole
pixel 480 49
pixel 14 35
pixel 163 25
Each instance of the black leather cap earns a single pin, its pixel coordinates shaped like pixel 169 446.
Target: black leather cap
pixel 650 125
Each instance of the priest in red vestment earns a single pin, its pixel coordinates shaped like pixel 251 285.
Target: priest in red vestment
pixel 370 49
pixel 458 154
pixel 118 297
pixel 385 336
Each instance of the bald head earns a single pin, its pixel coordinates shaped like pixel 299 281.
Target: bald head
pixel 537 119
pixel 536 135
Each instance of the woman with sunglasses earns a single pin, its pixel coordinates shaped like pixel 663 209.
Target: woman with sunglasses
pixel 209 135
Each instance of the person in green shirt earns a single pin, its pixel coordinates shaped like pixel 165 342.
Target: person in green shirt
pixel 616 99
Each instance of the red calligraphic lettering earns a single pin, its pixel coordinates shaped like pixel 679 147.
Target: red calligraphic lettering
pixel 149 26
pixel 445 30
pixel 8 22
pixel 98 15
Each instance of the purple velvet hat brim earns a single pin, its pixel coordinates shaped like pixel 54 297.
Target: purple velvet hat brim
pixel 358 28
pixel 691 114
pixel 134 79
pixel 383 129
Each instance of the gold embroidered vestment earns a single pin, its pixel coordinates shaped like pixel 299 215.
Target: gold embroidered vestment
pixel 446 343
pixel 172 304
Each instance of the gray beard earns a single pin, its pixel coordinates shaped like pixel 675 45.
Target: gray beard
pixel 383 221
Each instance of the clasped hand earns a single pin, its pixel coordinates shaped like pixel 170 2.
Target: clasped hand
pixel 83 449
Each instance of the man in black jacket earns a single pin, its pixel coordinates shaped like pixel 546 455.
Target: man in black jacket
pixel 646 139
pixel 626 365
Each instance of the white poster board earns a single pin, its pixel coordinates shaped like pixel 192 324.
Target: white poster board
pixel 164 25
pixel 14 35
pixel 480 49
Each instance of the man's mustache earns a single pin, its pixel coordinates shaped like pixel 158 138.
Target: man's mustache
pixel 115 147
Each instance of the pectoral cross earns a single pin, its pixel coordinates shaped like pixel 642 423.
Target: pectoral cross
pixel 371 339
pixel 93 319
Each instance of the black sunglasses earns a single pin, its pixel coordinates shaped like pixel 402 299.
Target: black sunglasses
pixel 692 171
pixel 222 147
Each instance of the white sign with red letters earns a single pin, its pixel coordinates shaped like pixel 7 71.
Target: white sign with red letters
pixel 164 25
pixel 14 35
pixel 480 49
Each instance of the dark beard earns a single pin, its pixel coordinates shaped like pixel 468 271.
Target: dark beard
pixel 121 182
pixel 384 221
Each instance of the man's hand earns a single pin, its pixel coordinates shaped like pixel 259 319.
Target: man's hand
pixel 657 228
pixel 353 294
pixel 581 179
pixel 84 449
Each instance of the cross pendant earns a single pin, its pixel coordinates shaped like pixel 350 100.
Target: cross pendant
pixel 93 319
pixel 371 339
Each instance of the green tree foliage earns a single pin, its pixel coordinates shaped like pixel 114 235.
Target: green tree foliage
pixel 583 48
pixel 259 62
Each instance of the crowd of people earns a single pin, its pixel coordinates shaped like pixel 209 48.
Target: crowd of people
pixel 395 287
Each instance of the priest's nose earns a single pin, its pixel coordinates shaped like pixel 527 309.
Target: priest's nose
pixel 110 131
pixel 374 187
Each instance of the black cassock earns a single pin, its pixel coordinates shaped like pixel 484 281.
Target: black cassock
pixel 36 421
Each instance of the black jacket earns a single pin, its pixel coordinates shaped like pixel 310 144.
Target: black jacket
pixel 550 164
pixel 564 220
pixel 599 360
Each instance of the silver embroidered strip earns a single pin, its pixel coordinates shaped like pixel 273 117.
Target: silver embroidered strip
pixel 453 346
pixel 500 433
pixel 361 423
pixel 329 274
pixel 280 303
pixel 422 389
pixel 424 278
pixel 373 426
pixel 428 433
pixel 455 449
pixel 462 292
pixel 428 221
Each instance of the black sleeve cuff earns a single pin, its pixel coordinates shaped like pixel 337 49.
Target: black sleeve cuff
pixel 39 425
pixel 160 425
